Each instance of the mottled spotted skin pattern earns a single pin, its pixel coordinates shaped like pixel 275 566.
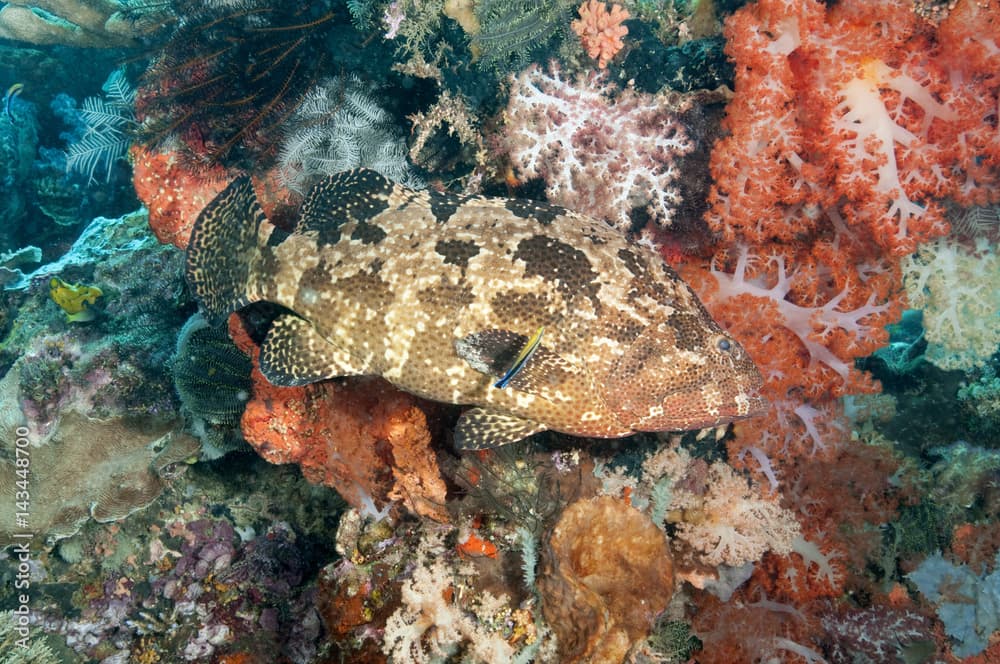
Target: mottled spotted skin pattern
pixel 393 279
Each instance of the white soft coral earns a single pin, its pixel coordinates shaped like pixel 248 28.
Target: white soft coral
pixel 428 628
pixel 735 525
pixel 958 290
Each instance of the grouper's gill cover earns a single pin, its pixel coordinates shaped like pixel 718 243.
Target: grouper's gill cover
pixel 439 294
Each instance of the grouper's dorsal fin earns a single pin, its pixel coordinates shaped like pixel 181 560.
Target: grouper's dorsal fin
pixel 481 429
pixel 294 354
pixel 493 352
pixel 357 195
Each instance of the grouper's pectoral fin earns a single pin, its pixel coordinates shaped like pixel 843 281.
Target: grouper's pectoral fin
pixel 492 352
pixel 294 353
pixel 480 429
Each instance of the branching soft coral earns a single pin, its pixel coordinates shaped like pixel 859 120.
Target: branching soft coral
pixel 716 516
pixel 759 631
pixel 958 290
pixel 859 111
pixel 429 626
pixel 815 325
pixel 849 123
pixel 601 31
pixel 804 315
pixel 600 153
pixel 843 502
pixel 730 524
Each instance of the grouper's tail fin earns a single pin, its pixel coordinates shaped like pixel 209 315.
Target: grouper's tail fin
pixel 223 250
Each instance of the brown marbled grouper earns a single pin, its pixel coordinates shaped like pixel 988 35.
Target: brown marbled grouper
pixel 439 293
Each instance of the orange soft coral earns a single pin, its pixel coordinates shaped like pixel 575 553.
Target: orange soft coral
pixel 803 314
pixel 363 437
pixel 855 115
pixel 601 31
pixel 849 123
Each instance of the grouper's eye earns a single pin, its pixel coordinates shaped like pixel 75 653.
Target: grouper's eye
pixel 724 344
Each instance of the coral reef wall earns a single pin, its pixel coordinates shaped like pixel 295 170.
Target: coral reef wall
pixel 807 191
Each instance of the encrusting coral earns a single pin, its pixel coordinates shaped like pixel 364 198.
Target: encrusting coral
pixel 174 191
pixel 89 468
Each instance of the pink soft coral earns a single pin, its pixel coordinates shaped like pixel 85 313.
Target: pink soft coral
pixel 601 31
pixel 599 153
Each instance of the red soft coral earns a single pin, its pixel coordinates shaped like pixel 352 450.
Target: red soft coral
pixel 857 112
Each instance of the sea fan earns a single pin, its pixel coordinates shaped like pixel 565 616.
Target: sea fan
pixel 110 121
pixel 340 126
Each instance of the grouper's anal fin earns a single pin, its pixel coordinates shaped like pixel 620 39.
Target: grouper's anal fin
pixel 224 249
pixel 481 429
pixel 294 353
